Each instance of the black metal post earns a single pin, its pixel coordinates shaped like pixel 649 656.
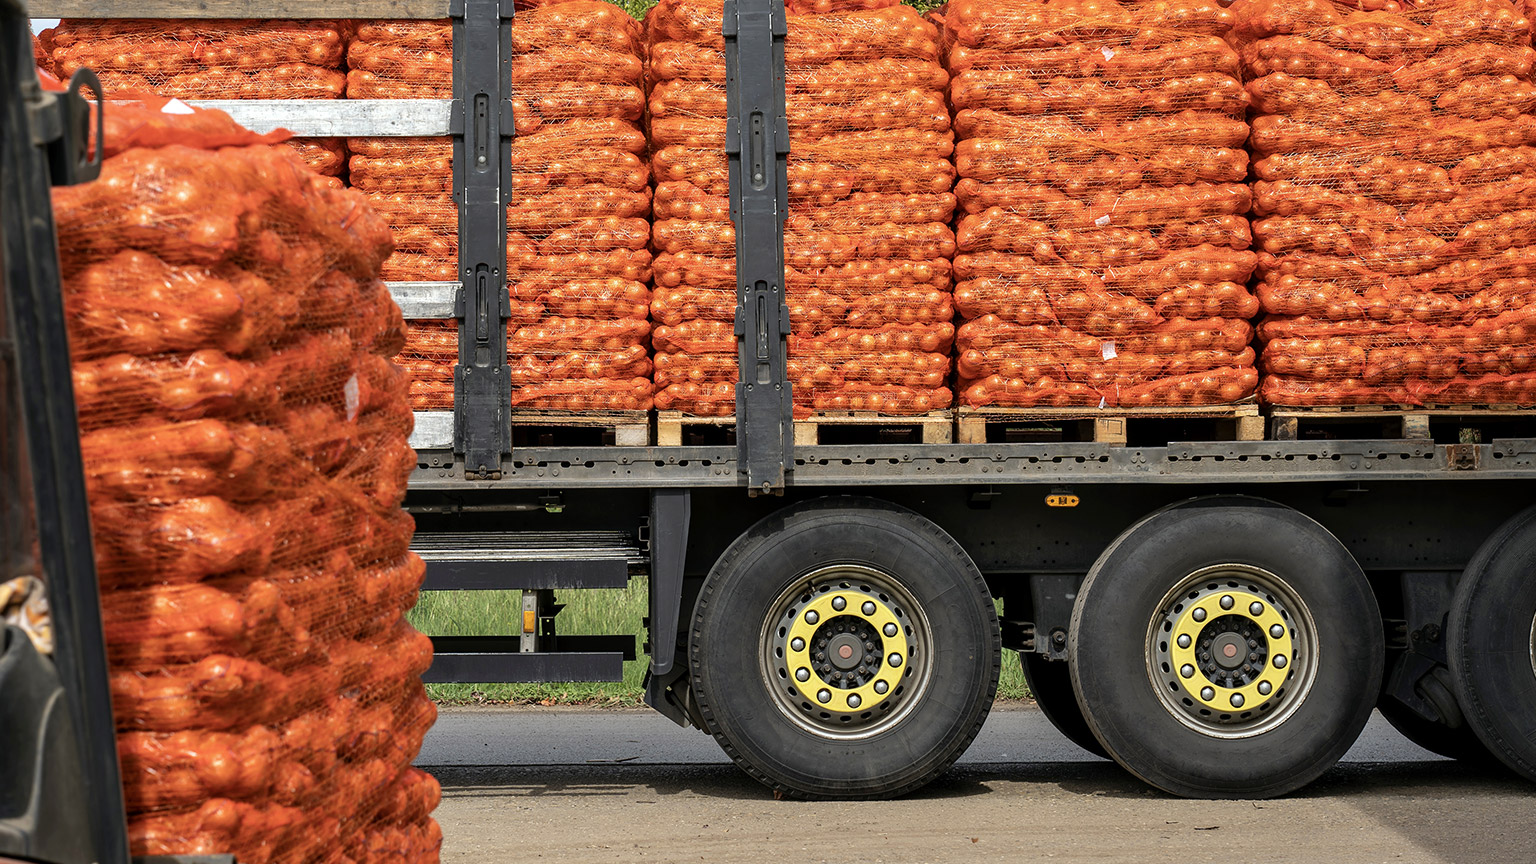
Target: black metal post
pixel 757 142
pixel 38 125
pixel 482 155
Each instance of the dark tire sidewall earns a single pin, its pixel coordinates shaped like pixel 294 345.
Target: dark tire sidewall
pixel 1108 647
pixel 726 634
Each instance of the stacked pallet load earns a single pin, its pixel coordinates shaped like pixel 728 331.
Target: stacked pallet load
pixel 867 241
pixel 244 439
pixel 1103 246
pixel 578 229
pixel 212 59
pixel 410 182
pixel 1394 202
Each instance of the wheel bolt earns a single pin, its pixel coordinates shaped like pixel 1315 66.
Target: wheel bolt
pixel 894 659
pixel 1264 688
pixel 811 617
pixel 1255 608
pixel 868 608
pixel 1205 655
pixel 1187 671
pixel 1280 661
pixel 1237 700
pixel 797 644
pixel 869 646
pixel 890 629
pixel 1184 640
pixel 1276 631
pixel 824 696
pixel 881 687
pixel 854 701
pixel 1227 601
pixel 802 674
pixel 1253 655
pixel 821 655
pixel 1198 615
pixel 1207 693
pixel 839 603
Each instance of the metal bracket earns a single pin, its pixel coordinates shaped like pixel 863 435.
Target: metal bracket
pixel 671 511
pixel 757 144
pixel 1463 457
pixel 482 154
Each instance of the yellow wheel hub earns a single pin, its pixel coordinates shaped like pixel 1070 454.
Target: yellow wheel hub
pixel 1231 651
pixel 846 651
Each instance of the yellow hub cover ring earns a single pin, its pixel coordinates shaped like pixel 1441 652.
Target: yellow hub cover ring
pixel 890 664
pixel 1190 651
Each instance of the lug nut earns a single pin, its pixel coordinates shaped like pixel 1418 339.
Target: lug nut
pixel 868 608
pixel 1237 700
pixel 802 674
pixel 1227 601
pixel 1280 661
pixel 797 644
pixel 1207 693
pixel 869 646
pixel 881 687
pixel 811 617
pixel 1264 688
pixel 839 603
pixel 894 659
pixel 1276 631
pixel 1198 614
pixel 820 655
pixel 1255 608
pixel 1184 640
pixel 1187 671
pixel 824 696
pixel 854 701
pixel 1253 655
pixel 890 629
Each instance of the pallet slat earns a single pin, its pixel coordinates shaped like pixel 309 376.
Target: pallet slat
pixel 630 428
pixel 1412 422
pixel 1110 424
pixel 933 428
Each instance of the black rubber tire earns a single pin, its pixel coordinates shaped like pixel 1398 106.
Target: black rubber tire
pixel 1107 648
pixel 723 649
pixel 1459 743
pixel 1489 643
pixel 1050 683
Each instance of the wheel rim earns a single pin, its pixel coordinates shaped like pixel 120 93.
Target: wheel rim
pixel 1533 645
pixel 846 652
pixel 1232 651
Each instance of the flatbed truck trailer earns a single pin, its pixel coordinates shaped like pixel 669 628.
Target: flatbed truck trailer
pixel 1218 603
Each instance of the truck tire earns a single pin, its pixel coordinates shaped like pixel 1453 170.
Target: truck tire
pixel 1458 742
pixel 1050 683
pixel 1492 643
pixel 844 648
pixel 1227 647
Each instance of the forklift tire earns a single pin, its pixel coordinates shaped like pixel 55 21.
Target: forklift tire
pixel 1492 643
pixel 1050 683
pixel 1227 647
pixel 844 648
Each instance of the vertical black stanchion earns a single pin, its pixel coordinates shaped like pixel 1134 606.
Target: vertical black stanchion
pixel 757 142
pixel 42 140
pixel 482 154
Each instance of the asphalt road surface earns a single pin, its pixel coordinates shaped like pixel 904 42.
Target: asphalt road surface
pixel 625 785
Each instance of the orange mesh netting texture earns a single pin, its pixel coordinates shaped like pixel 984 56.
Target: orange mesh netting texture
pixel 578 227
pixel 245 443
pixel 867 241
pixel 324 156
pixel 400 60
pixel 1104 247
pixel 207 59
pixel 1394 200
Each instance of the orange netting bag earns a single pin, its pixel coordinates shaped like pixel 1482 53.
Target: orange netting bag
pixel 1104 246
pixel 1393 153
pixel 209 59
pixel 578 225
pixel 867 241
pixel 400 60
pixel 244 436
pixel 324 156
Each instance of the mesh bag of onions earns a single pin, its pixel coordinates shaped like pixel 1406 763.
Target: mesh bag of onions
pixel 867 240
pixel 1394 201
pixel 244 437
pixel 1103 244
pixel 578 227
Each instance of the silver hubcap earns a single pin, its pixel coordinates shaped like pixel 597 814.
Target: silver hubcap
pixel 846 652
pixel 1232 651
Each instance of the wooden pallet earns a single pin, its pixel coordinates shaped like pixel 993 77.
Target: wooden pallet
pixel 1108 425
pixel 557 428
pixel 1409 422
pixel 936 427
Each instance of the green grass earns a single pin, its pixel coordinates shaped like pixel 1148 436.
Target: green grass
pixel 616 611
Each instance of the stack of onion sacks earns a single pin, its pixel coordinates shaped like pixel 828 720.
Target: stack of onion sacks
pixel 1104 248
pixel 1396 187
